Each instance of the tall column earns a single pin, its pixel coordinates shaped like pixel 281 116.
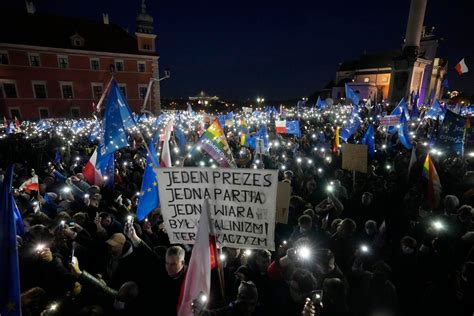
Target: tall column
pixel 415 25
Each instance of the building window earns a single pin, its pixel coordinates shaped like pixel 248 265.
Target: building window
pixel 34 60
pixel 123 89
pixel 44 113
pixel 39 90
pixel 9 90
pixel 96 91
pixel 366 79
pixel 75 112
pixel 146 46
pixel 63 61
pixel 15 113
pixel 3 58
pixel 95 64
pixel 142 91
pixel 67 90
pixel 119 65
pixel 384 79
pixel 141 66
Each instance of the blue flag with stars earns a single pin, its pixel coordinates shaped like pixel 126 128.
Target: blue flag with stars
pixel 149 198
pixel 369 140
pixel 350 94
pixel 403 134
pixel 117 119
pixel 9 270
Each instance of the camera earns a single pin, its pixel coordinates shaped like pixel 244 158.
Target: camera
pixel 317 297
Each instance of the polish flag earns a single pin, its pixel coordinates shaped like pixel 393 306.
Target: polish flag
pixel 90 171
pixel 203 260
pixel 5 123
pixel 165 160
pixel 461 67
pixel 32 184
pixel 280 127
pixel 17 123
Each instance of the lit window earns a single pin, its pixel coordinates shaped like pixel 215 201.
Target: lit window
pixel 366 79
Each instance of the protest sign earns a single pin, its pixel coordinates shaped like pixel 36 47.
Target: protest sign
pixel 354 157
pixel 451 134
pixel 243 203
pixel 283 202
pixel 389 120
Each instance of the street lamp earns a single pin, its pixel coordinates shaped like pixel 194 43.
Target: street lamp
pixel 260 101
pixel 147 96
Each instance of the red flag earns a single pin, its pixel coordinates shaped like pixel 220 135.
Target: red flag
pixel 90 171
pixel 5 123
pixel 203 258
pixel 17 123
pixel 32 184
pixel 461 67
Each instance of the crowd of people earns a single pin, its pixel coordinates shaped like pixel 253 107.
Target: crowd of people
pixel 371 245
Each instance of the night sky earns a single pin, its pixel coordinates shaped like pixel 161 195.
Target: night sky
pixel 277 49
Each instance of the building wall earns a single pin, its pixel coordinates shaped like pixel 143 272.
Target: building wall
pixel 79 74
pixel 381 81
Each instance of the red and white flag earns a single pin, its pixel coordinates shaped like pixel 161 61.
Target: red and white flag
pixel 17 123
pixel 165 160
pixel 90 171
pixel 5 123
pixel 32 184
pixel 280 127
pixel 461 67
pixel 203 260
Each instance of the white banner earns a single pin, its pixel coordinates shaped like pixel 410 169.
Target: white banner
pixel 243 204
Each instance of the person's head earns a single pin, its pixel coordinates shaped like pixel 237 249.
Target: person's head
pixel 105 219
pixel 327 261
pixel 367 198
pixel 260 260
pixel 127 292
pixel 305 223
pixel 451 203
pixel 347 227
pixel 334 290
pixel 465 213
pixel 381 271
pixel 302 282
pixel 247 298
pixel 335 224
pixel 115 244
pixel 174 260
pixel 408 245
pixel 81 218
pixel 94 200
pixel 371 227
pixel 311 185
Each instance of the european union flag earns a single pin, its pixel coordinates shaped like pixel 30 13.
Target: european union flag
pixel 106 165
pixel 95 131
pixel 180 137
pixel 350 94
pixel 293 127
pixel 351 125
pixel 320 104
pixel 369 140
pixel 414 111
pixel 263 134
pixel 401 108
pixel 117 119
pixel 149 198
pixel 403 134
pixel 9 272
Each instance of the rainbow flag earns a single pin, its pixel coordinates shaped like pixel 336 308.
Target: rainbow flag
pixel 434 184
pixel 213 142
pixel 243 135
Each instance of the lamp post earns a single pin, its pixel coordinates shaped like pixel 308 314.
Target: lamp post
pixel 147 96
pixel 260 101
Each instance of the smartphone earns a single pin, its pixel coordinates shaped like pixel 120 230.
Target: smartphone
pixel 72 224
pixel 317 297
